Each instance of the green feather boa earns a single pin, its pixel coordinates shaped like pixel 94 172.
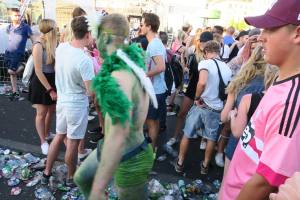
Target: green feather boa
pixel 110 97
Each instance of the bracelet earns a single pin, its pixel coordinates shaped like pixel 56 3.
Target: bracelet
pixel 197 98
pixel 49 90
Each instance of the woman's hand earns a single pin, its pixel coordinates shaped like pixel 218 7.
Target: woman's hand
pixel 53 95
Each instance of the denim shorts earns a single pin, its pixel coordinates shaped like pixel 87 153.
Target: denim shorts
pixel 202 122
pixel 231 145
pixel 13 60
pixel 160 112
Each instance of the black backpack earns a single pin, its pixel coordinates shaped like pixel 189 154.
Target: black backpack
pixel 169 78
pixel 177 71
pixel 222 85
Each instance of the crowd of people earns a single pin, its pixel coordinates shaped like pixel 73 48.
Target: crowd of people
pixel 240 96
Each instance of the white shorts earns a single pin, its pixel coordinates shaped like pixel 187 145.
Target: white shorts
pixel 71 121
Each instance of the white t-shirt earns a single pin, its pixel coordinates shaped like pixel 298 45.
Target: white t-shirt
pixel 210 94
pixel 72 68
pixel 225 51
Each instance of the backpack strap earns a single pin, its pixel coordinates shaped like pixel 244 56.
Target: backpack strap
pixel 219 72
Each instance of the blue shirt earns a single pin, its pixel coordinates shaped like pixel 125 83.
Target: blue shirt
pixel 17 37
pixel 228 40
pixel 156 48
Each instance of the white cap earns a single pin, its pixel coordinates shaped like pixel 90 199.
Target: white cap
pixel 10 4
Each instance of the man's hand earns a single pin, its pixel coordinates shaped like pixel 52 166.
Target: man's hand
pixel 289 190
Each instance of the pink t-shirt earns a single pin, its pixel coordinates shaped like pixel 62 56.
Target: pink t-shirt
pixel 270 144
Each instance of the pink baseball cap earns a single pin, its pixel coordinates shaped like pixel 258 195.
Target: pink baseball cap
pixel 280 13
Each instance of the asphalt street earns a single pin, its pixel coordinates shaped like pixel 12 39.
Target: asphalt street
pixel 17 132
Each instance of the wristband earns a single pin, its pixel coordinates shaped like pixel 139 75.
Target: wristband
pixel 197 98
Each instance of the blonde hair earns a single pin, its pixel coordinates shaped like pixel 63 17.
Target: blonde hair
pixel 270 74
pixel 197 36
pixel 49 38
pixel 117 25
pixel 255 66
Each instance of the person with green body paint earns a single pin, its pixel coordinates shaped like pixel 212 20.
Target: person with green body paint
pixel 124 102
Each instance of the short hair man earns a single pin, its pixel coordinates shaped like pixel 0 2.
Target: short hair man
pixel 268 151
pixel 18 33
pixel 125 154
pixel 218 29
pixel 73 74
pixel 228 38
pixel 156 55
pixel 203 118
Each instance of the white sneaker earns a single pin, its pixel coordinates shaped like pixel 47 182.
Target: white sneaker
pixel 84 155
pixel 50 136
pixel 94 113
pixel 219 159
pixel 171 113
pixel 45 148
pixel 90 118
pixel 171 141
pixel 203 145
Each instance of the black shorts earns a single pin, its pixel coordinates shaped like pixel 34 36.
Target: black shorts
pixel 156 114
pixel 37 92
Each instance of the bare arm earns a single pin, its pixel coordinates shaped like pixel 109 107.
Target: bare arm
pixel 203 76
pixel 160 66
pixel 256 188
pixel 38 62
pixel 87 85
pixel 228 107
pixel 238 119
pixel 114 142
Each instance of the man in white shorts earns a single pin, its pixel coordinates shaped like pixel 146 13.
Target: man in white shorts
pixel 74 72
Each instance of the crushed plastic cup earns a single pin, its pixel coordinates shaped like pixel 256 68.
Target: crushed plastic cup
pixel 182 189
pixel 167 197
pixel 60 173
pixel 7 171
pixel 6 152
pixel 75 193
pixel 207 188
pixel 156 189
pixel 43 193
pixel 15 191
pixel 33 182
pixel 25 173
pixel 40 165
pixel 170 150
pixel 31 159
pixel 162 158
pixel 112 193
pixel 217 184
pixel 63 188
pixel 13 181
pixel 213 196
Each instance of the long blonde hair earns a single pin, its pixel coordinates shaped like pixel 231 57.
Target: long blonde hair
pixel 255 66
pixel 49 38
pixel 270 74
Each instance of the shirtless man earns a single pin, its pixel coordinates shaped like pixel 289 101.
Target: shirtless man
pixel 121 93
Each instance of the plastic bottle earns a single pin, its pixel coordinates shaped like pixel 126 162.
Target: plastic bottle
pixel 182 189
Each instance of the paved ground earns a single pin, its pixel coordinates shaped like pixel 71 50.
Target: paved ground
pixel 17 132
